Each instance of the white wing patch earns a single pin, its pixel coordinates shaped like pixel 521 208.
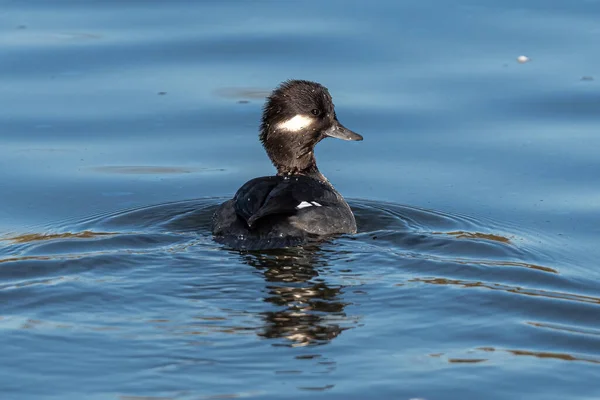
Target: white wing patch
pixel 296 124
pixel 303 205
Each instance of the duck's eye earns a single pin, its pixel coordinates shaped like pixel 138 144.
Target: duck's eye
pixel 316 112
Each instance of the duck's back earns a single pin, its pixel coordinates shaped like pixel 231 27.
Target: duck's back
pixel 278 211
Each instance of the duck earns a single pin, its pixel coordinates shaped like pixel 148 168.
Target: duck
pixel 298 205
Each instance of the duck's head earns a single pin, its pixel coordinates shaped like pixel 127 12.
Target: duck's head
pixel 297 116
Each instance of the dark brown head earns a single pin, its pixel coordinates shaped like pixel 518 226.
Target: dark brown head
pixel 297 116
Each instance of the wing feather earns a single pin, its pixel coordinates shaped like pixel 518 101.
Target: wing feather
pixel 272 195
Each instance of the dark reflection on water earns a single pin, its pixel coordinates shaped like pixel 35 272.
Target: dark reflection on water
pixel 310 310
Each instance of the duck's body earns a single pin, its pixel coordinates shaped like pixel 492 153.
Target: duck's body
pixel 282 211
pixel 299 203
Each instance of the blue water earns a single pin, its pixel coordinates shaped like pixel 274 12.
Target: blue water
pixel 475 271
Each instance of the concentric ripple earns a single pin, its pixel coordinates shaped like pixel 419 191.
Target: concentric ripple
pixel 481 291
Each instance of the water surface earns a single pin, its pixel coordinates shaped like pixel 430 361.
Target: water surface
pixel 476 190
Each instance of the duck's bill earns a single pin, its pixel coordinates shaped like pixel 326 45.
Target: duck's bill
pixel 339 131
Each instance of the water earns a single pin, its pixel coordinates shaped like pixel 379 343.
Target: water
pixel 476 191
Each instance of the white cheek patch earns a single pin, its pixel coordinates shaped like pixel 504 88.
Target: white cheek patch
pixel 296 123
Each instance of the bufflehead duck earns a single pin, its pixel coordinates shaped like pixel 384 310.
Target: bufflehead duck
pixel 298 204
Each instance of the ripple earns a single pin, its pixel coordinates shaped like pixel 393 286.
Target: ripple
pixel 563 328
pixel 544 355
pixel 396 229
pixel 510 289
pixel 475 235
pixel 243 93
pixel 153 274
pixel 151 170
pixel 37 237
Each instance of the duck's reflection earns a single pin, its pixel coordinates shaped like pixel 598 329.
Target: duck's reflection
pixel 310 311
